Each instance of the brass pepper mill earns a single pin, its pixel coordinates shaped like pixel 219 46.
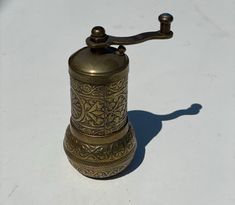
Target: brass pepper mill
pixel 100 142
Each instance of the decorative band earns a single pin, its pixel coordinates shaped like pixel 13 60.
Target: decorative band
pixel 99 80
pixel 92 139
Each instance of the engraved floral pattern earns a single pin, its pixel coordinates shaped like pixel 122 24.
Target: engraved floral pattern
pixel 102 152
pixel 99 109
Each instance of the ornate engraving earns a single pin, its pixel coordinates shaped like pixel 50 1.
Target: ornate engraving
pixel 100 160
pixel 99 173
pixel 100 153
pixel 99 109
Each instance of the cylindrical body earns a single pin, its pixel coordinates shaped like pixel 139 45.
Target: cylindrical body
pixel 99 141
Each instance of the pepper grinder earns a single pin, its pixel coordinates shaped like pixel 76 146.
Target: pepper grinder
pixel 100 141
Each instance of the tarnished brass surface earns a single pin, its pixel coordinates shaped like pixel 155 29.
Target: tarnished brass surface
pixel 99 110
pixel 99 39
pixel 99 160
pixel 100 142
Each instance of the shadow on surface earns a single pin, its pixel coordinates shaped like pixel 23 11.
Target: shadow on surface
pixel 147 125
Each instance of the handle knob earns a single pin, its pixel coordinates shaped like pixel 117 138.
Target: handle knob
pixel 98 34
pixel 165 20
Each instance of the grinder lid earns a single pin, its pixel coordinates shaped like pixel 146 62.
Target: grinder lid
pixel 98 61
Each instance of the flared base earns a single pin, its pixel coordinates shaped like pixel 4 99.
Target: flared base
pixel 100 157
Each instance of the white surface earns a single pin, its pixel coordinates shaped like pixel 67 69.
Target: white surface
pixel 191 160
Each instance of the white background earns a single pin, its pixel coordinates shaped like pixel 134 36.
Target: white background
pixel 191 161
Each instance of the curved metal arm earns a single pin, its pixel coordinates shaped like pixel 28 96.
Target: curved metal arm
pixel 99 39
